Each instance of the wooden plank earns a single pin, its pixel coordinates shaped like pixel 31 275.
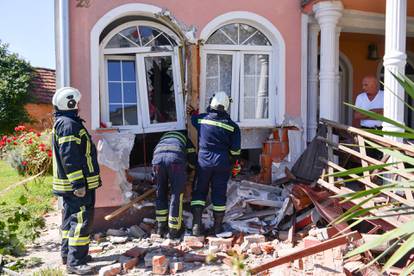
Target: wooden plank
pixel 363 151
pixel 329 137
pixel 367 158
pixel 301 253
pixel 372 185
pixel 383 141
pixel 344 191
pixel 408 193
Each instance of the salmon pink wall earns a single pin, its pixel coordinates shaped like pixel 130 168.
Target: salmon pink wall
pixel 285 15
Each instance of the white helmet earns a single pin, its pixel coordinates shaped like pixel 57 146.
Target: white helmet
pixel 220 98
pixel 66 98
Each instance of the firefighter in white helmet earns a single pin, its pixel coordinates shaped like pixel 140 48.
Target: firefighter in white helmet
pixel 219 148
pixel 75 179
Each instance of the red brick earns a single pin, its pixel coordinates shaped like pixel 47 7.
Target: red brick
pixel 135 252
pixel 159 260
pixel 96 249
pixel 267 247
pixel 194 244
pixel 130 264
pixel 223 244
pixel 110 270
pixel 161 270
pixel 310 241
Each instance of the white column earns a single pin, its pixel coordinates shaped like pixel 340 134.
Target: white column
pixel 394 60
pixel 328 13
pixel 313 81
pixel 338 100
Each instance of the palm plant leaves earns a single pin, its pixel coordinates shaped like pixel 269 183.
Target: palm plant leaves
pixel 402 237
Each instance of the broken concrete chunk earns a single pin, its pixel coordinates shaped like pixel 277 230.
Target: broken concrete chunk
pixel 194 258
pixel 149 220
pixel 136 232
pixel 116 232
pixel 176 267
pixel 213 249
pixel 310 241
pixel 118 240
pixel 110 270
pixel 227 234
pixel 255 249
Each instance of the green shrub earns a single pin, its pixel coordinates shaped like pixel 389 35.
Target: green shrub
pixel 27 151
pixel 15 82
pixel 12 220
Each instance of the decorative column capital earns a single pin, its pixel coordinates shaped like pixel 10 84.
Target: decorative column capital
pixel 328 12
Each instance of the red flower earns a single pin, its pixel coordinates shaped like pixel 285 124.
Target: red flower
pixel 8 140
pixel 4 138
pixel 15 143
pixel 38 134
pixel 30 141
pixel 14 138
pixel 24 163
pixel 49 153
pixel 31 130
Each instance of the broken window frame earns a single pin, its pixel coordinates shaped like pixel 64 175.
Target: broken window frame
pixel 140 53
pixel 238 52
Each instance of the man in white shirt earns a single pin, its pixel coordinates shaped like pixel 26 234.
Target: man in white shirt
pixel 370 99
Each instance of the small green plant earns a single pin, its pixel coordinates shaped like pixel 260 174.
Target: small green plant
pixel 50 272
pixel 27 151
pixel 17 225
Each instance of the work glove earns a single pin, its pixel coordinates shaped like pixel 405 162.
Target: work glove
pixel 236 169
pixel 81 192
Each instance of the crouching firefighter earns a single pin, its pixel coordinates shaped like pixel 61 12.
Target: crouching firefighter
pixel 75 179
pixel 173 155
pixel 219 149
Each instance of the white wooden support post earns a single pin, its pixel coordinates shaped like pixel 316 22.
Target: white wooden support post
pixel 394 61
pixel 313 81
pixel 328 14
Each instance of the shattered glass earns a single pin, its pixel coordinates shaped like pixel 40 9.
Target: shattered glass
pixel 160 86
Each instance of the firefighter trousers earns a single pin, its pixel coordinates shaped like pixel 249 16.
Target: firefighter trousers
pixel 218 177
pixel 77 219
pixel 175 173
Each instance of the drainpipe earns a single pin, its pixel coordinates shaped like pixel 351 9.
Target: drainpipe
pixel 62 43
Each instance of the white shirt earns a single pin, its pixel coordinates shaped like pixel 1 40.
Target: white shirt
pixel 363 102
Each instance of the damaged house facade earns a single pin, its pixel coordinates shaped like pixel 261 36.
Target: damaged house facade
pixel 284 63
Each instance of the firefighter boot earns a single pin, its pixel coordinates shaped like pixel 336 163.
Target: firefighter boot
pixel 175 233
pixel 218 222
pixel 197 220
pixel 162 228
pixel 80 270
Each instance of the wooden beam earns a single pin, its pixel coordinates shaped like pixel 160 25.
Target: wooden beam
pixel 377 138
pixel 301 253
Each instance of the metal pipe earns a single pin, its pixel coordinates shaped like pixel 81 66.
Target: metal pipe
pixel 62 43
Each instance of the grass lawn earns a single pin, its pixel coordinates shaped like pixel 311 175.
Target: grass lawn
pixel 38 193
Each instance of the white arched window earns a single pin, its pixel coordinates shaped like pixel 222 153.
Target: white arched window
pixel 140 81
pixel 239 59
